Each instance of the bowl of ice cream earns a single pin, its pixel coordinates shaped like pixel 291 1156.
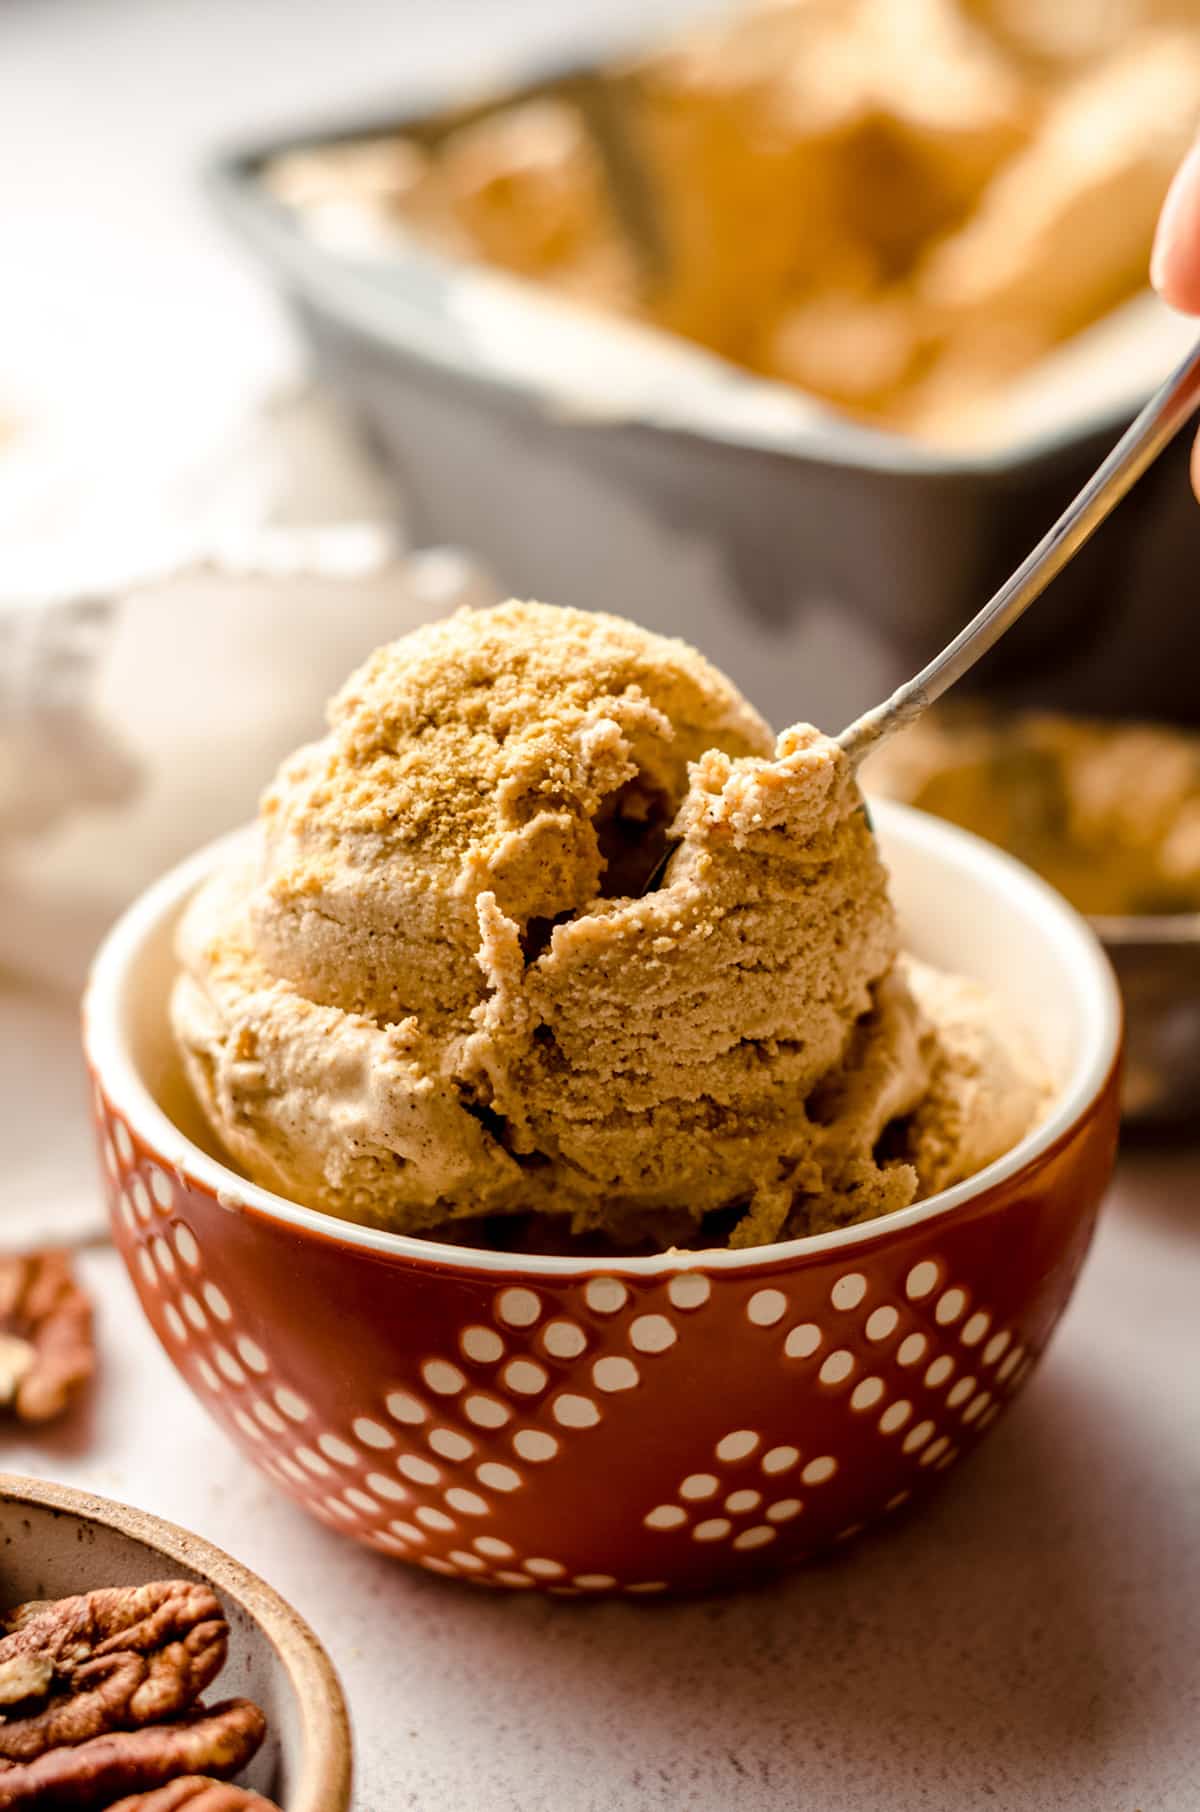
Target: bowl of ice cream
pixel 567 1145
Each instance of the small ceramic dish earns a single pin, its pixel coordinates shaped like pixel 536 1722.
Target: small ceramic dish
pixel 56 1541
pixel 591 1426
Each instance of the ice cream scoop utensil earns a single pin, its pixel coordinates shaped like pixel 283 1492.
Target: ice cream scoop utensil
pixel 1166 412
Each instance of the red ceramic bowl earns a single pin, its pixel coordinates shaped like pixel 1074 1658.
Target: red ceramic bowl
pixel 629 1425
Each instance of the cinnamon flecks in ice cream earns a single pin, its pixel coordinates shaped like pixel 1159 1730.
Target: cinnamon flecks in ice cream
pixel 548 937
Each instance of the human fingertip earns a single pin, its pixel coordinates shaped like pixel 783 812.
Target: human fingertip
pixel 1175 259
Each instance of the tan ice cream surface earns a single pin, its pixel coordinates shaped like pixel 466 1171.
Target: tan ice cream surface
pixel 444 992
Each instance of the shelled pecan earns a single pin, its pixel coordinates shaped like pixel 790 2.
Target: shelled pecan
pixel 88 1776
pixel 196 1793
pixel 114 1659
pixel 46 1348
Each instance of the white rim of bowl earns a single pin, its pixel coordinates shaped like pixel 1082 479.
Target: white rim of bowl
pixel 1079 950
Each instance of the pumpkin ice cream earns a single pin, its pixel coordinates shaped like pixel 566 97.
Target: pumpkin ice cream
pixel 550 932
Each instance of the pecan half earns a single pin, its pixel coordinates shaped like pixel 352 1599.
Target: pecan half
pixel 130 1762
pixel 197 1793
pixel 113 1659
pixel 46 1349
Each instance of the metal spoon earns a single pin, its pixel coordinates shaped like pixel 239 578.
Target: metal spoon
pixel 1161 419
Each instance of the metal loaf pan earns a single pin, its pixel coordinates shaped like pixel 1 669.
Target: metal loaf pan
pixel 613 466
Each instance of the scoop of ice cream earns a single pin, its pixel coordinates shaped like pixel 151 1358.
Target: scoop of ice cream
pixel 987 1086
pixel 533 753
pixel 662 1047
pixel 547 924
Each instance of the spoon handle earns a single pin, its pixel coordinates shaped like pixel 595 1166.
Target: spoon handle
pixel 1158 423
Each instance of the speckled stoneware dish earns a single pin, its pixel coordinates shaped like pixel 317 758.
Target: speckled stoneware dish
pixel 55 1541
pixel 628 1425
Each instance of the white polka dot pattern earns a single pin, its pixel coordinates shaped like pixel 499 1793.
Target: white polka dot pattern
pixel 535 1444
pixel 519 1308
pixel 525 1376
pixel 442 1377
pixel 483 1345
pixel 336 1449
pixel 487 1412
pixel 498 1477
pixel 766 1307
pixel 605 1295
pixel 450 1444
pixel 404 1407
pixel 421 1471
pixel 574 1411
pixel 372 1434
pixel 564 1339
pixel 917 1436
pixel 780 1459
pixel 895 1416
pixel 784 1509
pixel 533 1373
pixel 615 1373
pixel 950 1306
pixel 387 1487
pixel 185 1245
pixel 652 1334
pixel 848 1291
pixel 837 1367
pixel 217 1302
pixel 689 1290
pixel 738 1445
pixel 882 1324
pixel 468 1502
pixel 757 1537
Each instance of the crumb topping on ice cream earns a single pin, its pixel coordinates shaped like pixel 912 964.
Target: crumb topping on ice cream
pixel 549 927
